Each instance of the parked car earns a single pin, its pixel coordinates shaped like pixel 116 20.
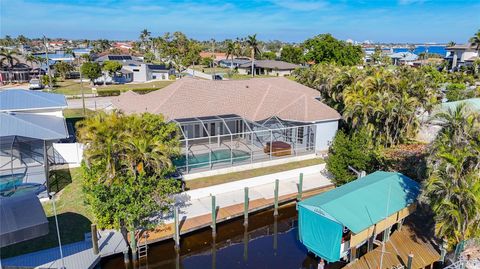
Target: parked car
pixel 35 84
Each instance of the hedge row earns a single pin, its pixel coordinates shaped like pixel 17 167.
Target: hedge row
pixel 116 92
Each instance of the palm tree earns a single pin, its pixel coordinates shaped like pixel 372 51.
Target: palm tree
pixel 453 186
pixel 254 46
pixel 451 44
pixel 9 60
pixel 31 59
pixel 475 40
pixel 145 37
pixel 230 51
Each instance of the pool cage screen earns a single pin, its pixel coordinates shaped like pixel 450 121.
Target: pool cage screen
pixel 226 140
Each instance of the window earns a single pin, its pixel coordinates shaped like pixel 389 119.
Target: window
pixel 212 128
pixel 196 132
pixel 136 70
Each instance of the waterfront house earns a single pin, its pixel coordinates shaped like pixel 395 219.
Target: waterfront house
pixel 134 70
pixel 461 55
pixel 403 58
pixel 30 122
pixel 347 220
pixel 268 67
pixel 230 123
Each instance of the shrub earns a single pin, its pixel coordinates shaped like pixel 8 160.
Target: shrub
pixel 109 92
pixel 458 91
pixel 172 77
pixel 354 150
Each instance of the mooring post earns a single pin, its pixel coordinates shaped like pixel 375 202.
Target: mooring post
pixel 93 230
pixel 245 243
pixel 177 228
pixel 410 261
pixel 275 235
pixel 126 258
pixel 300 187
pixel 133 245
pixel 245 207
pixel 214 217
pixel 275 212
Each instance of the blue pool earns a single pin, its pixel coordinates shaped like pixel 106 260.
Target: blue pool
pixel 8 182
pixel 218 156
pixel 13 185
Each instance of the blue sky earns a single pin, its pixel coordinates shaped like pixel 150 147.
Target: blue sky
pixel 293 21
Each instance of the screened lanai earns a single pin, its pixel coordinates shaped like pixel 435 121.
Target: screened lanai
pixel 227 140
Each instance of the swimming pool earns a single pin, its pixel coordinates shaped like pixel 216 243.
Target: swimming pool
pixel 218 156
pixel 8 182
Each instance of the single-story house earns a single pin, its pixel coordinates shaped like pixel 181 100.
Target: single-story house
pixel 134 70
pixel 337 224
pixel 268 67
pixel 227 123
pixel 234 63
pixel 216 56
pixel 403 58
pixel 461 55
pixel 30 122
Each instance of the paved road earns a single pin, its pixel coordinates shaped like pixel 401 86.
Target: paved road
pixel 90 103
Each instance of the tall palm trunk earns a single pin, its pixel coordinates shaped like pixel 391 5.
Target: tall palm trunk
pixel 253 62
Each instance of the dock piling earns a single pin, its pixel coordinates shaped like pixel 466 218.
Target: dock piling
pixel 93 229
pixel 300 187
pixel 410 261
pixel 214 217
pixel 275 212
pixel 133 245
pixel 245 207
pixel 176 235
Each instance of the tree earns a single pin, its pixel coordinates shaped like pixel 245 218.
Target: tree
pixel 145 37
pixel 268 55
pixel 91 70
pixel 253 44
pixel 325 48
pixel 453 185
pixel 458 91
pixel 46 80
pixel 149 57
pixel 179 50
pixel 9 60
pixel 101 45
pixel 292 54
pixel 31 59
pixel 62 69
pixel 230 51
pixel 111 67
pixel 475 40
pixel 451 44
pixel 125 174
pixel 356 151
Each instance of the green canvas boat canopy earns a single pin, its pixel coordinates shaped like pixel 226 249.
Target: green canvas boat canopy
pixel 357 206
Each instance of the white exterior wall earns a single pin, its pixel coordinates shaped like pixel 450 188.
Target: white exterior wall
pixel 71 153
pixel 57 112
pixel 324 134
pixel 139 72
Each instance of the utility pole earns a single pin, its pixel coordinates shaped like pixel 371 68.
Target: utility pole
pixel 213 60
pixel 48 64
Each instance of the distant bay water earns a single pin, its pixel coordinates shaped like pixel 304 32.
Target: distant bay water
pixel 431 49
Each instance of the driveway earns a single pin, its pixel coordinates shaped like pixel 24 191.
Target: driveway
pixel 90 103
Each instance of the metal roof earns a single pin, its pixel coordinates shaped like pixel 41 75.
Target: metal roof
pixel 273 64
pixel 21 218
pixel 366 201
pixel 36 126
pixel 17 100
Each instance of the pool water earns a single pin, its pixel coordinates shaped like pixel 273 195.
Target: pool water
pixel 268 242
pixel 218 156
pixel 8 182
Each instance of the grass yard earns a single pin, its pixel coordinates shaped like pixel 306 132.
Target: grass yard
pixel 219 179
pixel 71 87
pixel 210 70
pixel 77 112
pixel 74 217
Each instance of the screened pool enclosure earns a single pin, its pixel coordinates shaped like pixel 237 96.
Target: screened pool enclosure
pixel 226 140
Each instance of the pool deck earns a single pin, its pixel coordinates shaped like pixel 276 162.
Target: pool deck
pixel 195 206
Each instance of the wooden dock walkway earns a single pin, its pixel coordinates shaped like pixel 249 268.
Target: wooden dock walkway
pixel 397 249
pixel 188 225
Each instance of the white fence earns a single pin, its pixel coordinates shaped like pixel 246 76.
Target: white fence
pixel 68 153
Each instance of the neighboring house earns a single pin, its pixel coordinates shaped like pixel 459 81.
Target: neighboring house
pixel 235 62
pixel 461 55
pixel 403 58
pixel 227 123
pixel 216 56
pixel 30 122
pixel 268 67
pixel 135 70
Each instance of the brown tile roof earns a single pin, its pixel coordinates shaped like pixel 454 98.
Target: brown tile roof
pixel 254 99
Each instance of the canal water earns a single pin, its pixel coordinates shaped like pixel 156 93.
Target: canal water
pixel 269 242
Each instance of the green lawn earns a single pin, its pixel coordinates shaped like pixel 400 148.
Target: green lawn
pixel 76 112
pixel 225 178
pixel 74 217
pixel 70 87
pixel 210 70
